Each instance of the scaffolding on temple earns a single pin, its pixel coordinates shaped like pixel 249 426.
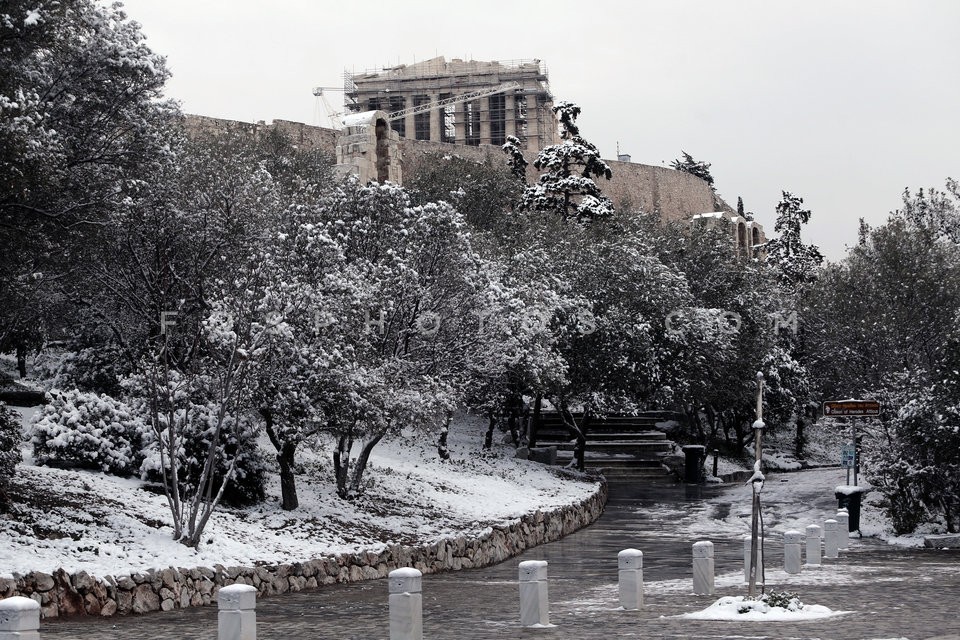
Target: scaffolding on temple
pixel 461 102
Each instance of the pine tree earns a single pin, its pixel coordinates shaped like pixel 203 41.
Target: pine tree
pixel 796 262
pixel 515 160
pixel 567 186
pixel 696 168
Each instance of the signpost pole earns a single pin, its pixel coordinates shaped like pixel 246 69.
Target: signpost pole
pixel 754 523
pixel 856 452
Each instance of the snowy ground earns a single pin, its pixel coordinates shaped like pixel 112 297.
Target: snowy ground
pixel 111 526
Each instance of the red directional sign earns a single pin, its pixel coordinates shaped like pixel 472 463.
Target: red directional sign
pixel 854 408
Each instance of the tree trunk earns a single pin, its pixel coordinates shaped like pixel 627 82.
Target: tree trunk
pixel 341 464
pixel 22 359
pixel 488 437
pixel 361 465
pixel 537 412
pixel 288 482
pixel 442 449
pixel 286 455
pixel 800 441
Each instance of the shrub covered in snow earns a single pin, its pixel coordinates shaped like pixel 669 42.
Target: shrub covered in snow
pixel 10 437
pixel 84 430
pixel 237 441
pixel 96 369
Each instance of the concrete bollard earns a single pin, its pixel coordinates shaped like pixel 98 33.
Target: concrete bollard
pixel 843 529
pixel 237 618
pixel 703 568
pixel 630 565
pixel 813 544
pixel 534 600
pixel 406 604
pixel 746 557
pixel 19 619
pixel 792 551
pixel 830 543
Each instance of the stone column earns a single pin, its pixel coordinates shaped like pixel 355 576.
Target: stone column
pixel 703 568
pixel 406 604
pixel 485 115
pixel 813 544
pixel 510 117
pixel 630 565
pixel 830 543
pixel 436 118
pixel 843 529
pixel 237 619
pixel 19 619
pixel 534 600
pixel 792 549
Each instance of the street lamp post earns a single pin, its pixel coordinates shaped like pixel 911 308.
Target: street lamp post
pixel 757 483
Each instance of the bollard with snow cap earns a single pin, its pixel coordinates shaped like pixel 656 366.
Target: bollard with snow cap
pixel 813 544
pixel 237 618
pixel 830 543
pixel 703 568
pixel 843 529
pixel 534 600
pixel 630 565
pixel 406 604
pixel 746 557
pixel 792 551
pixel 19 619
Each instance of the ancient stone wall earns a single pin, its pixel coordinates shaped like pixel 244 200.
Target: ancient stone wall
pixel 673 194
pixel 63 594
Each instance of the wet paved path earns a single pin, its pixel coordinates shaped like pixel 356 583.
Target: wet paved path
pixel 892 593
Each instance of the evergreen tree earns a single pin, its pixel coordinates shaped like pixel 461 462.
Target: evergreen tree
pixel 515 159
pixel 566 186
pixel 695 168
pixel 797 262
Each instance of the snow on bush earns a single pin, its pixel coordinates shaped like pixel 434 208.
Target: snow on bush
pixel 88 431
pixel 772 607
pixel 237 440
pixel 10 438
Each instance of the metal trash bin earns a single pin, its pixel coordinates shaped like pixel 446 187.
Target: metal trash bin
pixel 851 498
pixel 694 455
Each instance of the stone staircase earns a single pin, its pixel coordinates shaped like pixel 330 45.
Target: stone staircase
pixel 623 448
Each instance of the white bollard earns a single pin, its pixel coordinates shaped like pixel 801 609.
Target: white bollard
pixel 792 551
pixel 747 557
pixel 703 568
pixel 534 600
pixel 406 604
pixel 237 618
pixel 830 543
pixel 813 544
pixel 19 619
pixel 843 529
pixel 630 565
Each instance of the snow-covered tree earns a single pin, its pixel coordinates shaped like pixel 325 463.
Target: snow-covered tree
pixel 11 437
pixel 696 168
pixel 889 306
pixel 934 210
pixel 82 132
pixel 796 262
pixel 196 390
pixel 515 158
pixel 914 458
pixel 567 185
pixel 481 191
pixel 419 285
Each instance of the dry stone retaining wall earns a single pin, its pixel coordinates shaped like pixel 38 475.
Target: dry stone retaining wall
pixel 63 594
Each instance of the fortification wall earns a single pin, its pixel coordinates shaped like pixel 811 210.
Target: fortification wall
pixel 675 195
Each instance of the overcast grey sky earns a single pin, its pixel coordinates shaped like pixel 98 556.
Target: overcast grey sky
pixel 844 103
